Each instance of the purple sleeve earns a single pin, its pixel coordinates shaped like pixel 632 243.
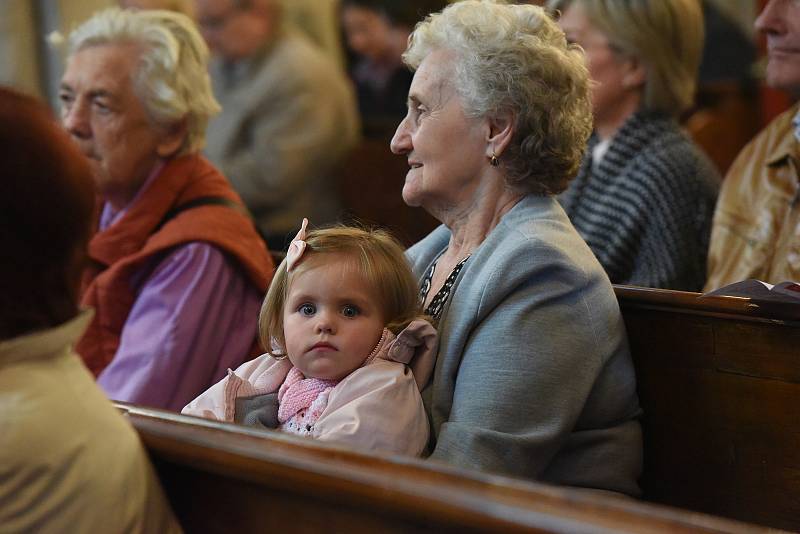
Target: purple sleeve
pixel 194 317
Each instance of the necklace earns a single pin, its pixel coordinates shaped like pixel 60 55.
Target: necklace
pixel 434 309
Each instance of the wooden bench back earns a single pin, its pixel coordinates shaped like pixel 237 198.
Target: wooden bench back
pixel 226 478
pixel 370 184
pixel 719 383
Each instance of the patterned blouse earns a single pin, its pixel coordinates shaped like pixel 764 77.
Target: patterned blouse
pixel 434 309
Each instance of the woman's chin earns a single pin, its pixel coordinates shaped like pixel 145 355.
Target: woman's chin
pixel 411 196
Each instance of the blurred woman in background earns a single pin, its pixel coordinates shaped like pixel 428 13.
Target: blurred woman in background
pixel 377 34
pixel 644 195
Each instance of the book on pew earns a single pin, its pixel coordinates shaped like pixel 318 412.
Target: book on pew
pixel 761 293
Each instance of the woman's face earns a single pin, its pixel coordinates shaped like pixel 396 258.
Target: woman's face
pixel 367 32
pixel 446 150
pixel 611 92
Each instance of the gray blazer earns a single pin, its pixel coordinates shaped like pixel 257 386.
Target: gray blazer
pixel 288 117
pixel 534 376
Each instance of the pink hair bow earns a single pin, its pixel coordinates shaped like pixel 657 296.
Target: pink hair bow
pixel 296 247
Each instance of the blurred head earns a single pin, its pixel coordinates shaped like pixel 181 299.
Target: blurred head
pixel 365 271
pixel 135 91
pixel 651 48
pixel 780 22
pixel 46 201
pixel 237 29
pixel 179 6
pixel 368 31
pixel 492 79
pixel 374 27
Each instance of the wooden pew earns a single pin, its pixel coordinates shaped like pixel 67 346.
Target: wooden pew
pixel 719 382
pixel 226 478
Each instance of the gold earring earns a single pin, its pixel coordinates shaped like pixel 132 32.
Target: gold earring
pixel 493 161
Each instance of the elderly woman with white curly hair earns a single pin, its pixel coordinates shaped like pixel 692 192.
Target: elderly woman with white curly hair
pixel 177 268
pixel 533 377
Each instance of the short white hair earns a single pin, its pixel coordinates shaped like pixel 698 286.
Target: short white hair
pixel 172 77
pixel 515 58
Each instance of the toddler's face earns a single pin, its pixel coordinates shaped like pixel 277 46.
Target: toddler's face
pixel 331 320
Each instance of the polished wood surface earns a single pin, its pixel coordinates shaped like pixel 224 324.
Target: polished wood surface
pixel 736 308
pixel 719 382
pixel 227 478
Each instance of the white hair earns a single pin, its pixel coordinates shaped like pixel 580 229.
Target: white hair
pixel 172 78
pixel 515 59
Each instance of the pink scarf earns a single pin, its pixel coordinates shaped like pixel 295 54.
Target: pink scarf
pixel 298 392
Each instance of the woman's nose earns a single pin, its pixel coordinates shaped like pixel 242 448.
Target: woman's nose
pixel 401 142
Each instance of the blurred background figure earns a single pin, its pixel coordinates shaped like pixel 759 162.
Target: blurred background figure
pixel 288 115
pixel 757 221
pixel 179 6
pixel 371 179
pixel 319 20
pixel 377 33
pixel 644 194
pixel 69 462
pixel 19 45
pixel 177 268
pixel 725 115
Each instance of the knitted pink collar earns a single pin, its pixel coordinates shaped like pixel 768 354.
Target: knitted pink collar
pixel 298 392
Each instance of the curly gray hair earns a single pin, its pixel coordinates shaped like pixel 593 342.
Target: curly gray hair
pixel 172 79
pixel 515 59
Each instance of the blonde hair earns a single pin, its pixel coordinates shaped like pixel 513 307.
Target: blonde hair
pixel 381 261
pixel 665 35
pixel 515 59
pixel 172 78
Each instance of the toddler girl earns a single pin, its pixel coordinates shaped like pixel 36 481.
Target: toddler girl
pixel 342 319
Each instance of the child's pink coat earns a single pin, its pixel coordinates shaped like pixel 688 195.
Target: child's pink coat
pixel 377 407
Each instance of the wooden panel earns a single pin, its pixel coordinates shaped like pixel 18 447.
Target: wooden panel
pixel 370 184
pixel 719 383
pixel 763 350
pixel 224 478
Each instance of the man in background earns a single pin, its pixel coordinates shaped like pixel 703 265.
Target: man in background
pixel 756 229
pixel 288 115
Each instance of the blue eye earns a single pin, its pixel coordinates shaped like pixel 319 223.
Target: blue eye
pixel 350 311
pixel 307 309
